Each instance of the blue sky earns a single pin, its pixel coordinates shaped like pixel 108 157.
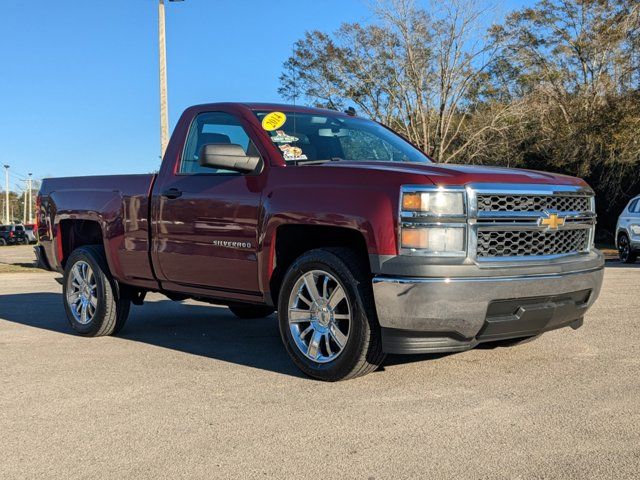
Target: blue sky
pixel 79 82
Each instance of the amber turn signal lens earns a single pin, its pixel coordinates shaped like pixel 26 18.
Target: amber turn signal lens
pixel 445 240
pixel 412 201
pixel 413 238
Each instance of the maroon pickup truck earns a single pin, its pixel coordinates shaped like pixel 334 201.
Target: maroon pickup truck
pixel 362 244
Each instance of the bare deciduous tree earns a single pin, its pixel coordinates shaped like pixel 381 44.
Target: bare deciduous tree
pixel 413 71
pixel 556 86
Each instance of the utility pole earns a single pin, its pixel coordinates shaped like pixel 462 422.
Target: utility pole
pixel 164 110
pixel 6 194
pixel 25 208
pixel 30 199
pixel 162 50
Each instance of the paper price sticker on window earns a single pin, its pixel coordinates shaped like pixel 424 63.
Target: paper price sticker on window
pixel 273 121
pixel 281 137
pixel 292 153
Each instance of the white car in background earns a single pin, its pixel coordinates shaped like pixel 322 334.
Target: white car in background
pixel 29 231
pixel 628 232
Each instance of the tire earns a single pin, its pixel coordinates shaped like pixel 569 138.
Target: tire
pixel 251 311
pixel 3 242
pixel 111 309
pixel 625 253
pixel 345 333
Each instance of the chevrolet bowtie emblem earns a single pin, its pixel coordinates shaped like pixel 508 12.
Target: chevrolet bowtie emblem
pixel 552 222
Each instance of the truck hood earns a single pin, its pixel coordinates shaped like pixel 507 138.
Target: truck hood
pixel 451 174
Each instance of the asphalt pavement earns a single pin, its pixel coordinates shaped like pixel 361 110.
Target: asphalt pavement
pixel 189 391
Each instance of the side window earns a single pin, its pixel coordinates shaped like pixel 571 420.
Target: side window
pixel 213 127
pixel 633 208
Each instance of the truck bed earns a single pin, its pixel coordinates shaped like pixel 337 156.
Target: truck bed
pixel 119 204
pixel 127 184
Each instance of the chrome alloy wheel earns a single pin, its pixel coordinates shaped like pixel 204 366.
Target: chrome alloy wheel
pixel 319 316
pixel 82 295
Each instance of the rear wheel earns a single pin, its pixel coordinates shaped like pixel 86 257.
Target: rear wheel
pixel 3 242
pixel 251 311
pixel 92 298
pixel 624 250
pixel 327 316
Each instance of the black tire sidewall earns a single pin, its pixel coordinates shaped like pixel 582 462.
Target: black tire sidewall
pixel 630 256
pixel 359 328
pixel 104 292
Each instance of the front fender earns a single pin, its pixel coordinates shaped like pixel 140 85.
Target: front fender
pixel 372 213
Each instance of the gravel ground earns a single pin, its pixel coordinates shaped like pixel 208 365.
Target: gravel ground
pixel 188 391
pixel 17 255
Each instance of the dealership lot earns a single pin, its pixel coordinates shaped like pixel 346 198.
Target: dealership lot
pixel 189 391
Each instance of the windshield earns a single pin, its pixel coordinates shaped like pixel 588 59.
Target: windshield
pixel 304 138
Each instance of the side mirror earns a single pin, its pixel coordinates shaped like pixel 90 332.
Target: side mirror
pixel 227 156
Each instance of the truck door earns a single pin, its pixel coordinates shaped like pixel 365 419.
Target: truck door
pixel 206 219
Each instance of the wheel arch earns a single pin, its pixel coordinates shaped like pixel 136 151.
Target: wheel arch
pixel 292 240
pixel 76 233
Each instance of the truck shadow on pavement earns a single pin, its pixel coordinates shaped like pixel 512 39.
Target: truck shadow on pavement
pixel 208 331
pixel 204 330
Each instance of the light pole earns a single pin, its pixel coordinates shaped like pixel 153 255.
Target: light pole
pixel 162 50
pixel 6 194
pixel 26 202
pixel 30 198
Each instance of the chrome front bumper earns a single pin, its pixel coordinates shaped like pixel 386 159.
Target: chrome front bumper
pixel 420 315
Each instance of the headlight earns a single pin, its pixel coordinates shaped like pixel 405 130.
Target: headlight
pixel 635 229
pixel 438 239
pixel 433 221
pixel 434 203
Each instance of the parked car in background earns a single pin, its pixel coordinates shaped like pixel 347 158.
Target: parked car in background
pixel 628 232
pixel 30 231
pixel 12 235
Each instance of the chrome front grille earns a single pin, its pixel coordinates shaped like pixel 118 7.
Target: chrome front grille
pixel 529 222
pixel 533 203
pixel 527 243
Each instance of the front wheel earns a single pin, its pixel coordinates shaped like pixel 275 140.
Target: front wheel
pixel 327 316
pixel 92 298
pixel 625 253
pixel 3 242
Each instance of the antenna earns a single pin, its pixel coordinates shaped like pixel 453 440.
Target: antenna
pixel 295 85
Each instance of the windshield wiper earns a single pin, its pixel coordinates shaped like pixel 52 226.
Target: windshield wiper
pixel 316 162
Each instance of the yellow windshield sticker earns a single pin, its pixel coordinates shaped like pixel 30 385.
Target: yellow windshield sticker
pixel 273 121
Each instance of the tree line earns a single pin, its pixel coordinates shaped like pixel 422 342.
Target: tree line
pixel 554 86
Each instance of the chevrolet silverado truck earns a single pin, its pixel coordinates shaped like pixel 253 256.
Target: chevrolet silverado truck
pixel 358 240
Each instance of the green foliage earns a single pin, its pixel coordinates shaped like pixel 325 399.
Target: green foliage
pixel 555 87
